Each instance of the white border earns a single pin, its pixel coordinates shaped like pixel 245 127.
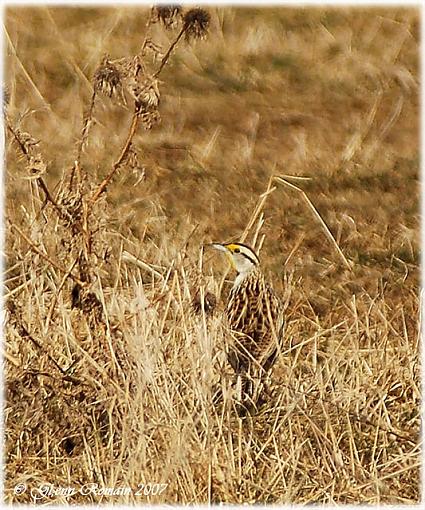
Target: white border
pixel 247 3
pixel 294 3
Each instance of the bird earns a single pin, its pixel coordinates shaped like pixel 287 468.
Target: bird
pixel 256 321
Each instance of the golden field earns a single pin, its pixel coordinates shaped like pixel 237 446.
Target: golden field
pixel 282 121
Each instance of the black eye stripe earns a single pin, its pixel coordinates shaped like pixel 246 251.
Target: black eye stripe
pixel 237 249
pixel 249 258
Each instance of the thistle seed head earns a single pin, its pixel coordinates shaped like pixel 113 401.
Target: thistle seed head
pixel 36 167
pixel 168 15
pixel 27 142
pixel 196 22
pixel 145 91
pixel 149 118
pixel 149 92
pixel 29 146
pixel 71 204
pixel 107 78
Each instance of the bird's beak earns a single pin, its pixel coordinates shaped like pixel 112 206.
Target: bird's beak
pixel 222 248
pixel 218 246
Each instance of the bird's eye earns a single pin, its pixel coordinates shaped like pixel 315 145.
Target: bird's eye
pixel 237 250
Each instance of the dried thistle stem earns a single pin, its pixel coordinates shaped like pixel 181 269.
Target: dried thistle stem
pixel 170 49
pixel 148 24
pixel 43 186
pixel 118 162
pixel 83 137
pixel 58 291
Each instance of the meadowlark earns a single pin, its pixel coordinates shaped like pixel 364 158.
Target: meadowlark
pixel 255 318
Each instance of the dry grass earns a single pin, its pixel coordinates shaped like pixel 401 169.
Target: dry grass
pixel 109 373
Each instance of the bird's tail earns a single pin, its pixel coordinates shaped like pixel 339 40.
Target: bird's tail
pixel 248 394
pixel 244 391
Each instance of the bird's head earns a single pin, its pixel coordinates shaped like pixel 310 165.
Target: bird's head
pixel 241 257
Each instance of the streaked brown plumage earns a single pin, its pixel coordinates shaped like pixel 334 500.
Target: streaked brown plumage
pixel 254 314
pixel 255 318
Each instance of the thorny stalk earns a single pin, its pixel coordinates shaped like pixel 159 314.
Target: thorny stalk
pixel 86 127
pixel 148 24
pixel 83 138
pixel 131 133
pixel 196 21
pixel 118 162
pixel 170 49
